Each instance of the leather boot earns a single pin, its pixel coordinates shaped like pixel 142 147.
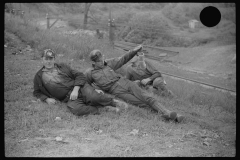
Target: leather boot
pixel 179 118
pixel 120 104
pixel 168 115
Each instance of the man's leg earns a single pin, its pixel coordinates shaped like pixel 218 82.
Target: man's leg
pixel 143 95
pixel 160 88
pixel 129 98
pixel 93 98
pixel 79 108
pixel 127 87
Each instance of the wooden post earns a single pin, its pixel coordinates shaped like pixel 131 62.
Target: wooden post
pixel 85 20
pixel 47 20
pixel 24 18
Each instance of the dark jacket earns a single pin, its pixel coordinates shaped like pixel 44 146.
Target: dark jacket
pixel 105 76
pixel 134 73
pixel 41 92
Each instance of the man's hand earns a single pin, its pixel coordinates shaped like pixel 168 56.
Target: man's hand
pixel 136 81
pixel 138 48
pixel 51 101
pixel 74 94
pixel 145 81
pixel 164 82
pixel 99 91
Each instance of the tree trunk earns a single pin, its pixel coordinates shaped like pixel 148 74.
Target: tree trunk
pixel 87 6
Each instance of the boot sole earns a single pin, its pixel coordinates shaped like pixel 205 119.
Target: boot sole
pixel 179 119
pixel 171 116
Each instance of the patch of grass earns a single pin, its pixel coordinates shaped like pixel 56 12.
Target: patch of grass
pixel 199 95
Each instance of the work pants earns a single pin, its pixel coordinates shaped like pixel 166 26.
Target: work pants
pixel 131 93
pixel 89 101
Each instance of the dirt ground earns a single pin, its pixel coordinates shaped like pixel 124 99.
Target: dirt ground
pixel 137 133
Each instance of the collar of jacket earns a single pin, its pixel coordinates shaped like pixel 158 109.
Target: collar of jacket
pixel 99 67
pixel 40 71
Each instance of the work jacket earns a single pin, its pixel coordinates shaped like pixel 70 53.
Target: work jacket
pixel 105 76
pixel 40 91
pixel 134 72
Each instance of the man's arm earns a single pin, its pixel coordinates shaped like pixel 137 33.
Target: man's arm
pixel 88 75
pixel 79 77
pixel 89 79
pixel 128 72
pixel 37 92
pixel 155 73
pixel 79 81
pixel 116 63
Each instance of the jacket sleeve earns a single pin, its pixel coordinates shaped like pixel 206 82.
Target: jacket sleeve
pixel 116 63
pixel 88 76
pixel 79 77
pixel 128 73
pixel 37 92
pixel 155 73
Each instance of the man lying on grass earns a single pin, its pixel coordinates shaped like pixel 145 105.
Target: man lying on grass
pixel 59 82
pixel 103 75
pixel 145 75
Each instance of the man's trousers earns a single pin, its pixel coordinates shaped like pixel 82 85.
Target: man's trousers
pixel 89 101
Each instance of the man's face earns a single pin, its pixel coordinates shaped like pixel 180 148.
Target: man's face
pixel 100 60
pixel 48 62
pixel 139 61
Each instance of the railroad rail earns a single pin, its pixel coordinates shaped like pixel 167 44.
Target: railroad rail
pixel 206 85
pixel 117 43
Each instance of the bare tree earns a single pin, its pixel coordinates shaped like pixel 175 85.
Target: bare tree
pixel 87 7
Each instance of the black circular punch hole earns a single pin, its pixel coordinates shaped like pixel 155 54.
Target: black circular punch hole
pixel 210 16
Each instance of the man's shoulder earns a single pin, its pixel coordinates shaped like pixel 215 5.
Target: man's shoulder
pixel 112 60
pixel 130 68
pixel 61 64
pixel 109 60
pixel 88 70
pixel 39 72
pixel 149 64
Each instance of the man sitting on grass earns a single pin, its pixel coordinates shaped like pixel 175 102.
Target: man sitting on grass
pixel 59 82
pixel 145 75
pixel 103 75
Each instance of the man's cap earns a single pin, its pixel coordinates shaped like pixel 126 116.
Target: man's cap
pixel 94 55
pixel 48 53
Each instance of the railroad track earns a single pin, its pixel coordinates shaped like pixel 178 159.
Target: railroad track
pixel 121 43
pixel 163 52
pixel 126 47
